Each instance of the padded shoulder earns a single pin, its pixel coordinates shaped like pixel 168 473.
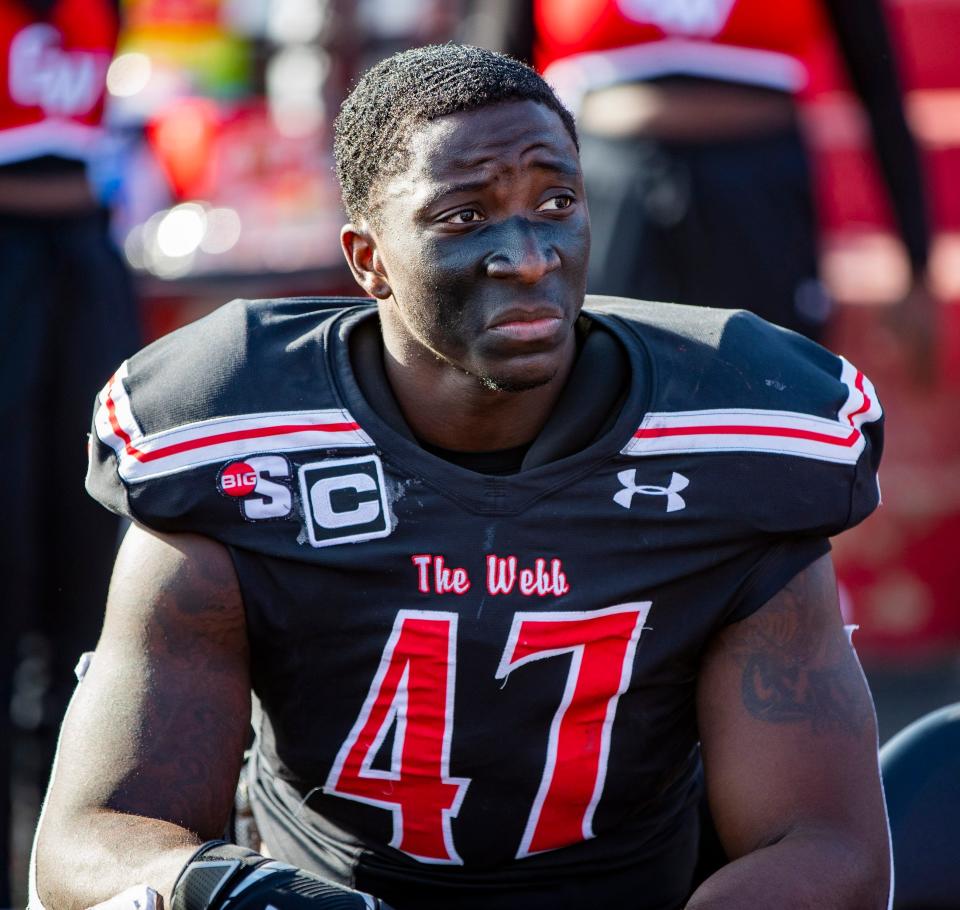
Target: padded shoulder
pixel 252 369
pixel 711 358
pixel 798 417
pixel 235 357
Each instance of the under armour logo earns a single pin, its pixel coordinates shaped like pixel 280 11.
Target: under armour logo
pixel 629 480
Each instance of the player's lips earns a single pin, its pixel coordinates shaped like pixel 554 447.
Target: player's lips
pixel 527 324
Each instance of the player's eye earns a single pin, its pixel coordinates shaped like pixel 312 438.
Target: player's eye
pixel 464 216
pixel 557 203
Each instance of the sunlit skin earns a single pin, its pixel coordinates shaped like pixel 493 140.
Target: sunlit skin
pixel 477 254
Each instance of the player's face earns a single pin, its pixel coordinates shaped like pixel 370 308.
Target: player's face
pixel 483 244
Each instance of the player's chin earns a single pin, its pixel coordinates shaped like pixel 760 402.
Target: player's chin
pixel 520 374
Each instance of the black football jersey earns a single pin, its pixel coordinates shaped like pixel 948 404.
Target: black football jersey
pixel 478 690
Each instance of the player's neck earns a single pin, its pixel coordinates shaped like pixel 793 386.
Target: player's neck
pixel 454 410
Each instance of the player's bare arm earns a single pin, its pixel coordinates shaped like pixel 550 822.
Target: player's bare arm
pixel 152 744
pixel 790 754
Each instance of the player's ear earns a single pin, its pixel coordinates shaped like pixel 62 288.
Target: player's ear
pixel 360 248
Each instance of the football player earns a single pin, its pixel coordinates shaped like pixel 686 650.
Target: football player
pixel 514 579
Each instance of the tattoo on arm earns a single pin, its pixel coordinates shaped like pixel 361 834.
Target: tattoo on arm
pixel 793 672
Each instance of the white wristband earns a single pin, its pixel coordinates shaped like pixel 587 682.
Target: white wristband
pixel 139 897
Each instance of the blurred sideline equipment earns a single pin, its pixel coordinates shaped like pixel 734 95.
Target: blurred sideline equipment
pixel 920 767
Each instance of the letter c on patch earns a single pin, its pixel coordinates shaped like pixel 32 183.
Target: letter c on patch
pixel 320 500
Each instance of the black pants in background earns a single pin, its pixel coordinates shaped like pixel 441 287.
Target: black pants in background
pixel 67 319
pixel 725 224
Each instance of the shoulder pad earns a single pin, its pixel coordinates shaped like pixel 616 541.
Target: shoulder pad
pixel 249 377
pixel 728 382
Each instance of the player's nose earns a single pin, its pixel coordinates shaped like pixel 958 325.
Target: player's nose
pixel 521 253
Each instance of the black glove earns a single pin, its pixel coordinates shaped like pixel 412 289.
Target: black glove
pixel 222 876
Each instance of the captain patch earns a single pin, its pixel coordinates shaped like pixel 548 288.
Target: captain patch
pixel 344 501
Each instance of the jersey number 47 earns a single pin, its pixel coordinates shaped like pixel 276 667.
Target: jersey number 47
pixel 413 692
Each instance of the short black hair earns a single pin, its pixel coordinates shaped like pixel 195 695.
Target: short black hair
pixel 414 87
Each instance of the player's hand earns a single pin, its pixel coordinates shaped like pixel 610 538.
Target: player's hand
pixel 913 321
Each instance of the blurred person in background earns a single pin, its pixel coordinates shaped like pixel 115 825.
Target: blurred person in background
pixel 67 315
pixel 695 166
